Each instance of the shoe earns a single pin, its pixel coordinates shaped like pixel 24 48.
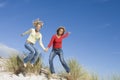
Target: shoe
pixel 69 77
pixel 32 65
pixel 25 65
pixel 69 73
pixel 54 76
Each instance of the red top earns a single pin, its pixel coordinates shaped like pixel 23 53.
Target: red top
pixel 57 42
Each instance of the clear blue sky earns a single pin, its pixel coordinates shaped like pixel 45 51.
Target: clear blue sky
pixel 94 27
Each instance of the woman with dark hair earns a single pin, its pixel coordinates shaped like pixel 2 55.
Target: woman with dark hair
pixel 56 42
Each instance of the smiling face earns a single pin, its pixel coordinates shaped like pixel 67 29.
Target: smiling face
pixel 38 27
pixel 60 31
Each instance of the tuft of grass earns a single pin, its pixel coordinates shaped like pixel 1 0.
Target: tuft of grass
pixel 94 77
pixel 115 77
pixel 36 68
pixel 15 64
pixel 77 72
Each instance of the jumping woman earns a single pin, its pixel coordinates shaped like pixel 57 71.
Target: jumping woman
pixel 56 42
pixel 34 35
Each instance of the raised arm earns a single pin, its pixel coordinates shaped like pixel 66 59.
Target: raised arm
pixel 41 43
pixel 26 32
pixel 66 35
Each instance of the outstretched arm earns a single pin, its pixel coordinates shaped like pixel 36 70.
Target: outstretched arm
pixel 51 42
pixel 26 32
pixel 66 35
pixel 41 43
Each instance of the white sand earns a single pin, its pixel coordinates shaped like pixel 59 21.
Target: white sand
pixel 10 76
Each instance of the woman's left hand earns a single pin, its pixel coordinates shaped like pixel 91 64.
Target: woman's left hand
pixel 69 32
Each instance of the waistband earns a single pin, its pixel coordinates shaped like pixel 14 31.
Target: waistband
pixel 29 42
pixel 57 48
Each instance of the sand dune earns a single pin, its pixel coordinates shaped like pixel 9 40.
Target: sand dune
pixel 10 76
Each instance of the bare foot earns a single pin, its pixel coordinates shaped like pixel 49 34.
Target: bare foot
pixel 25 65
pixel 54 76
pixel 32 65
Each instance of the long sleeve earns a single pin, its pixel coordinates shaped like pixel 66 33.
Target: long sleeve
pixel 65 35
pixel 51 42
pixel 41 43
pixel 27 32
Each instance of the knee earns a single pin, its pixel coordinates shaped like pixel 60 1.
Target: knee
pixel 50 60
pixel 62 59
pixel 25 45
pixel 32 51
pixel 37 51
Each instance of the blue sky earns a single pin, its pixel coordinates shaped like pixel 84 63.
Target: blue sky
pixel 94 27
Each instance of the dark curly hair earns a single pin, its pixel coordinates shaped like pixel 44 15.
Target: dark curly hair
pixel 61 27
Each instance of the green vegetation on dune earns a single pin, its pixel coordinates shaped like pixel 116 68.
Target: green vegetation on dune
pixel 15 64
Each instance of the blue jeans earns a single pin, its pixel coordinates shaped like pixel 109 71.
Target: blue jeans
pixel 58 52
pixel 33 55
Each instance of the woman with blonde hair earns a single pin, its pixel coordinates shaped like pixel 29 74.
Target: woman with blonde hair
pixel 34 35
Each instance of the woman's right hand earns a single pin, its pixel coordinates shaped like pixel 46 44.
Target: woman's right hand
pixel 46 49
pixel 22 35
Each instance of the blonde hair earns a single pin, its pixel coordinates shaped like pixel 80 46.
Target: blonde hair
pixel 37 22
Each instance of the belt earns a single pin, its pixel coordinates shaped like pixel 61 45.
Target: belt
pixel 56 48
pixel 29 42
